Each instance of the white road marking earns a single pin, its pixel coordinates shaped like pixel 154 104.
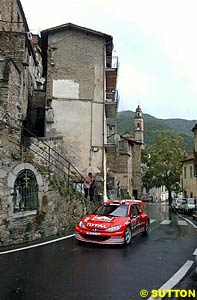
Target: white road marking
pixel 175 278
pixel 182 222
pixel 189 221
pixel 195 252
pixel 37 245
pixel 152 220
pixel 165 222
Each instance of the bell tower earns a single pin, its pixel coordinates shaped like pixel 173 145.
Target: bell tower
pixel 139 125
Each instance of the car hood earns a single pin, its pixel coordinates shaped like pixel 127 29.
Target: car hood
pixel 102 222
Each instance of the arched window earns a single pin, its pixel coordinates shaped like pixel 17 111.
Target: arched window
pixel 25 191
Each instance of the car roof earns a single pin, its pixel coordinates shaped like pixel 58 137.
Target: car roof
pixel 124 201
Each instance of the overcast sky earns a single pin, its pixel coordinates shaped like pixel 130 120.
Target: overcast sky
pixel 155 40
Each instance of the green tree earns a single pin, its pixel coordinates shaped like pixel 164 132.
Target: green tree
pixel 162 162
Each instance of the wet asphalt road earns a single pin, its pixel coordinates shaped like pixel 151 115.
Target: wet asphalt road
pixel 67 271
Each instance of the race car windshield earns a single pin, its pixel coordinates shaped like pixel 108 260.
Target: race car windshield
pixel 112 210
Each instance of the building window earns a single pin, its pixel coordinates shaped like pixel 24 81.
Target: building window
pixel 122 145
pixel 25 191
pixel 184 170
pixel 191 172
pixel 191 194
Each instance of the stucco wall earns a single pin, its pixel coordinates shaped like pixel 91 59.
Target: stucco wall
pixel 75 82
pixel 189 182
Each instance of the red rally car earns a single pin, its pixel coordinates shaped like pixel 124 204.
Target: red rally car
pixel 114 222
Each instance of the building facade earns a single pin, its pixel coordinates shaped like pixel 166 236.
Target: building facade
pixel 189 171
pixel 65 107
pixel 58 104
pixel 124 158
pixel 81 77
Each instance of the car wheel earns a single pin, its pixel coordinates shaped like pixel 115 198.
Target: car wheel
pixel 127 236
pixel 146 227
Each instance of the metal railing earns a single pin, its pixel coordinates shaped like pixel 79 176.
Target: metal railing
pixel 112 62
pixel 111 96
pixel 50 159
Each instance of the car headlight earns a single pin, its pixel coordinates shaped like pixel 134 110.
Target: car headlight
pixel 81 224
pixel 114 228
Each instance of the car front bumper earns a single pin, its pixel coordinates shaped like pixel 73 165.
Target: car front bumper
pixel 114 238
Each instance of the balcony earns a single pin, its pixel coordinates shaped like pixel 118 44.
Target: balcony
pixel 111 144
pixel 111 103
pixel 111 72
pixel 112 62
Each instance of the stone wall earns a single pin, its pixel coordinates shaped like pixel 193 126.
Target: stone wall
pixel 137 175
pixel 58 212
pixel 125 166
pixel 12 45
pixel 11 17
pixel 117 162
pixel 60 206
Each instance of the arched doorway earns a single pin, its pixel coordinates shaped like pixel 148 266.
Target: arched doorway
pixel 25 191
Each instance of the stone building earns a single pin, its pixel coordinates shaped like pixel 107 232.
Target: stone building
pixel 189 171
pixel 46 125
pixel 58 104
pixel 80 91
pixel 124 158
pixel 30 206
pixel 18 66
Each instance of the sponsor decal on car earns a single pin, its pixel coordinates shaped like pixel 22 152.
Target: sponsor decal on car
pixel 102 218
pixel 92 233
pixel 101 226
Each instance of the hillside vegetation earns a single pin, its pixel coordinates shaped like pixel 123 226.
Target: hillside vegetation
pixel 152 126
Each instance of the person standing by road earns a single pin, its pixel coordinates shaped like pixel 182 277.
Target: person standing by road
pixel 87 183
pixel 92 190
pixel 118 190
pixel 109 189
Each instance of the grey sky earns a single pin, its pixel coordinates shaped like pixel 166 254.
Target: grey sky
pixel 155 41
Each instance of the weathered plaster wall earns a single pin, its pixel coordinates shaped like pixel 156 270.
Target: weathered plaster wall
pixel 75 82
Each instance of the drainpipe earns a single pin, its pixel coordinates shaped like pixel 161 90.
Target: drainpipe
pixel 91 121
pixel 104 154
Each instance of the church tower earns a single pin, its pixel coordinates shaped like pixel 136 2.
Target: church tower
pixel 139 125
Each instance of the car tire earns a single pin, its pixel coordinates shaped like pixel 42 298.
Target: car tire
pixel 146 227
pixel 127 236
